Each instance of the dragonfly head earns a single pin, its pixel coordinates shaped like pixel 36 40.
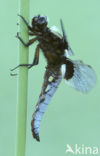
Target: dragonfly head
pixel 39 23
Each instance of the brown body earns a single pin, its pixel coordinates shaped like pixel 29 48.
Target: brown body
pixel 52 47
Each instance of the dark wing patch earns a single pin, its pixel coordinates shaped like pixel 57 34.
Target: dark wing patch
pixel 69 70
pixel 52 79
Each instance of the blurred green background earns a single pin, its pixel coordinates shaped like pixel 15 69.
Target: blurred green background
pixel 72 117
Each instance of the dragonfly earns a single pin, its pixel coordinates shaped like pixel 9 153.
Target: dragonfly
pixel 57 52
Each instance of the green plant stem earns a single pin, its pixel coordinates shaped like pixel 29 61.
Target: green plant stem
pixel 22 83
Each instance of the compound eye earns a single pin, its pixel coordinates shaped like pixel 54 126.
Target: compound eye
pixel 35 19
pixel 41 20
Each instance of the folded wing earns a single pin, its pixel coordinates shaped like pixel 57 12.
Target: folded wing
pixel 82 77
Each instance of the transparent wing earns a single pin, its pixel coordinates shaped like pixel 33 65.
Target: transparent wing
pixel 83 78
pixel 52 79
pixel 68 52
pixel 55 31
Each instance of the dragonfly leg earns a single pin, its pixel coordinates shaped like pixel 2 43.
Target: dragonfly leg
pixel 35 61
pixel 24 20
pixel 36 57
pixel 28 43
pixel 30 33
pixel 21 65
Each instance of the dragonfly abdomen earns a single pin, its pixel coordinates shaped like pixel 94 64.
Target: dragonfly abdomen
pixel 52 80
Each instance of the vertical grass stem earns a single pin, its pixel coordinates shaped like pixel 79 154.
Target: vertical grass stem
pixel 22 82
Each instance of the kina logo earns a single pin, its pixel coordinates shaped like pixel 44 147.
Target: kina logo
pixel 78 150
